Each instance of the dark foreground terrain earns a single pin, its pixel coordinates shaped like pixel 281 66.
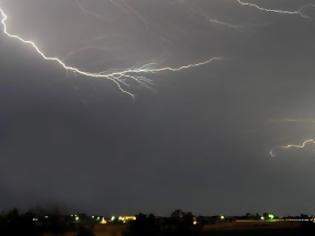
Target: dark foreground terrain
pixel 259 229
pixel 223 229
pixel 14 223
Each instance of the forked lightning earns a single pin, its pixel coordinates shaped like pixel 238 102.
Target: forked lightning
pixel 120 78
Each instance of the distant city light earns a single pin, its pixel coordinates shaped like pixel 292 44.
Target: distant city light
pixel 126 219
pixel 262 218
pixel 222 217
pixel 271 216
pixel 103 221
pixel 113 218
pixel 195 222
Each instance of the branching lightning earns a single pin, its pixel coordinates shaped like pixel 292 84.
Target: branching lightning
pixel 299 12
pixel 119 78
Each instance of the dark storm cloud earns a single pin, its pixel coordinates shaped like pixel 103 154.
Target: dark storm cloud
pixel 200 142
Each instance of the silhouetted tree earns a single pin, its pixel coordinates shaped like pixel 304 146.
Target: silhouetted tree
pixel 15 224
pixel 182 224
pixel 56 224
pixel 143 226
pixel 85 231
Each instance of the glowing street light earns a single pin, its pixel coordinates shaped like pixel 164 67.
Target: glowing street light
pixel 271 216
pixel 103 221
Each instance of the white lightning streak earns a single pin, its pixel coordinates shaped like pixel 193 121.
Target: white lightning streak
pixel 118 77
pixel 301 146
pixel 292 146
pixel 200 12
pixel 147 68
pixel 134 12
pixel 298 12
pixel 223 23
pixel 88 12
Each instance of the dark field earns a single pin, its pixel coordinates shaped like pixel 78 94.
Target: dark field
pixel 230 229
pixel 258 229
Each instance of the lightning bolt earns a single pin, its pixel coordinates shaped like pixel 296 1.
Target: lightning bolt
pixel 299 146
pixel 119 78
pixel 298 12
pixel 303 145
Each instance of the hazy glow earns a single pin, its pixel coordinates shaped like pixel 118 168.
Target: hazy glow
pixel 292 120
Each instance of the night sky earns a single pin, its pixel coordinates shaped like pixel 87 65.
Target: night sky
pixel 197 139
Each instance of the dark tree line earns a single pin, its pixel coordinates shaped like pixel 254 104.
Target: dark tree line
pixel 15 223
pixel 180 223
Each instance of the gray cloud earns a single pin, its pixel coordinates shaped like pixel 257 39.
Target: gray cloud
pixel 199 141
